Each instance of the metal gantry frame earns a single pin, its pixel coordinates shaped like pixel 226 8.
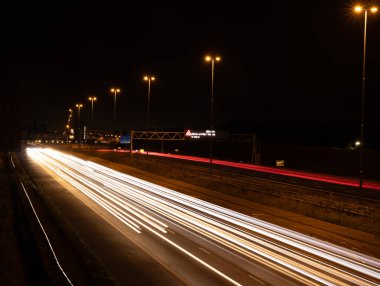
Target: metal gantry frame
pixel 155 136
pixel 175 136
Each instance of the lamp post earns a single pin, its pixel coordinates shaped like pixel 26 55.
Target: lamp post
pixel 212 59
pixel 359 9
pixel 92 99
pixel 70 116
pixel 67 135
pixel 148 79
pixel 115 91
pixel 68 127
pixel 79 106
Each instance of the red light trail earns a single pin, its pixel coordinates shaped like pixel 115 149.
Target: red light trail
pixel 352 182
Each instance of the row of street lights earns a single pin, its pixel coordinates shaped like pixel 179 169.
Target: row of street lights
pixel 213 59
pixel 357 9
pixel 149 79
pixel 93 99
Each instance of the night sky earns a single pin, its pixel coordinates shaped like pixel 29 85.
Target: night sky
pixel 290 70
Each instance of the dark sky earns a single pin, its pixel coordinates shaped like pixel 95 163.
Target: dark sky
pixel 290 70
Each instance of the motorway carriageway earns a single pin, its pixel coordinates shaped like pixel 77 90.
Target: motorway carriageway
pixel 345 181
pixel 148 208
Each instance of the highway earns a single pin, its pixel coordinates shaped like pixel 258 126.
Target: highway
pixel 236 249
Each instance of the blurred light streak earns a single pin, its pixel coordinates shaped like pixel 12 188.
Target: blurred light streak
pixel 129 199
pixel 285 172
pixel 351 182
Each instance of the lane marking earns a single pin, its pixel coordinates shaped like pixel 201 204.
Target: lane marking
pixel 12 162
pixel 205 250
pixel 171 231
pixel 257 280
pixel 47 238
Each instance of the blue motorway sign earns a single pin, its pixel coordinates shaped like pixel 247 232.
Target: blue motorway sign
pixel 125 139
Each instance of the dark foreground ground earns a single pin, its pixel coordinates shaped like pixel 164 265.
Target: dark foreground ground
pixel 26 258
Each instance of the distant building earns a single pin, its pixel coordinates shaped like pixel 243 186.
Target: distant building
pixel 102 136
pixel 48 137
pixel 88 136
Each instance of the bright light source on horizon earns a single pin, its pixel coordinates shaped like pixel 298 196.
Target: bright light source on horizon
pixel 210 58
pixel 146 78
pixel 358 9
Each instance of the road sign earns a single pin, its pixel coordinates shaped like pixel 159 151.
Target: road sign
pixel 125 139
pixel 205 134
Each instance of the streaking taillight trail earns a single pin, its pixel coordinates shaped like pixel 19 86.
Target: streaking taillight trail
pixel 146 207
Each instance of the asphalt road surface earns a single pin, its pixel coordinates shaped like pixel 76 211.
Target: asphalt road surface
pixel 174 239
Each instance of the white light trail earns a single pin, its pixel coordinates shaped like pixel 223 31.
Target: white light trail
pixel 139 204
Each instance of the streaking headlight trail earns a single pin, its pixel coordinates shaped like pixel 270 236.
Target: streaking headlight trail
pixel 146 207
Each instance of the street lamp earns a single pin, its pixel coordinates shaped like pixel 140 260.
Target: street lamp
pixel 115 91
pixel 92 99
pixel 67 134
pixel 70 116
pixel 79 106
pixel 212 59
pixel 148 79
pixel 68 127
pixel 359 9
